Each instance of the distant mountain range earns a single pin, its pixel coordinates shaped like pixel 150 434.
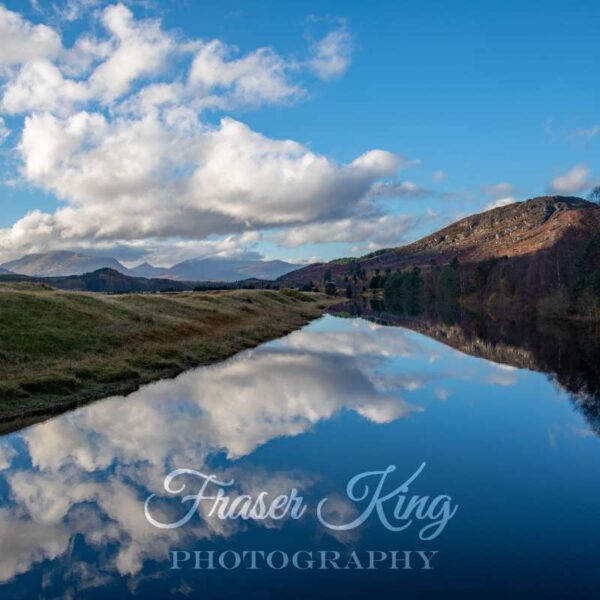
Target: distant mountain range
pixel 62 263
pixel 109 281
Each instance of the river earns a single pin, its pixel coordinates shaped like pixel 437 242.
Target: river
pixel 512 450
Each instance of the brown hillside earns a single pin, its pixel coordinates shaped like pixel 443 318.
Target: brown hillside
pixel 518 230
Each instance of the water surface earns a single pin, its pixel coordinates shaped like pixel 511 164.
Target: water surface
pixel 513 448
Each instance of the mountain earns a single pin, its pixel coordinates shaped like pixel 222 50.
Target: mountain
pixel 5 272
pixel 61 263
pixel 229 269
pixel 109 281
pixel 104 281
pixel 536 229
pixel 147 270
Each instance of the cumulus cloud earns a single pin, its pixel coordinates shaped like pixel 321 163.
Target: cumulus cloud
pixel 114 127
pixel 23 41
pixel 134 49
pixel 258 77
pixel 381 230
pixel 331 55
pixel 143 178
pixel 575 180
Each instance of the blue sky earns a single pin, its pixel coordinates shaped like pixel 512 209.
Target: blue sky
pixel 471 95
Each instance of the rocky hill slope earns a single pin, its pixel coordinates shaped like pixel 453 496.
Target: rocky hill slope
pixel 535 228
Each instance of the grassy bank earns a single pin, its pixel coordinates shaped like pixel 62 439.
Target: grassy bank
pixel 60 349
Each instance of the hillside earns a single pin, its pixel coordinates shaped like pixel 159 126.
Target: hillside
pixel 525 229
pixel 59 349
pixel 519 229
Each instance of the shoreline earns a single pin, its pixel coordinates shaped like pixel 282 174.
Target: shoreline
pixel 149 338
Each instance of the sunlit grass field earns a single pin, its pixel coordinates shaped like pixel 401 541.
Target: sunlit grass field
pixel 59 349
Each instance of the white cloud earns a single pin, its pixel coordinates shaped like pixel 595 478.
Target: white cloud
pixel 4 130
pixel 141 49
pixel 500 202
pixel 23 41
pixel 40 86
pixel 134 179
pixel 438 176
pixel 386 229
pixel 499 190
pixel 331 55
pixel 114 128
pixel 575 180
pixel 7 453
pixel 71 10
pixel 399 189
pixel 258 77
pixel 169 252
pixel 503 375
pixel 586 133
pixel 133 50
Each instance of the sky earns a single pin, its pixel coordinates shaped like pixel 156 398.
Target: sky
pixel 302 131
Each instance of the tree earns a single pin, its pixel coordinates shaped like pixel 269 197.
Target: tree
pixel 404 291
pixel 447 286
pixel 594 195
pixel 330 288
pixel 327 276
pixel 349 291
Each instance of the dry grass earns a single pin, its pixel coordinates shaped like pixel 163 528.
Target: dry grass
pixel 60 349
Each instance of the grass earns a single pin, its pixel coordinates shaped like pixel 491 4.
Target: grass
pixel 61 349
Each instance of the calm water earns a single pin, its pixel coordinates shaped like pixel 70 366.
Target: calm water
pixel 511 447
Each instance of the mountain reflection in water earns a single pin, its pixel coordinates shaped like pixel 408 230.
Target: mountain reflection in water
pixel 567 351
pixel 307 411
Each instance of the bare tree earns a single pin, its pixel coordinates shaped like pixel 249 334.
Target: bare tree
pixel 594 195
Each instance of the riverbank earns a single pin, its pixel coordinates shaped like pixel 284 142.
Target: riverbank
pixel 62 349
